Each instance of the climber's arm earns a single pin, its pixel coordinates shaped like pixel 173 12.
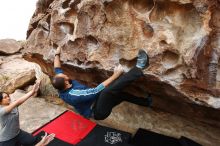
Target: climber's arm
pixel 22 99
pixel 57 63
pixel 117 72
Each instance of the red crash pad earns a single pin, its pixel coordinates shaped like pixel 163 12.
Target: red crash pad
pixel 68 127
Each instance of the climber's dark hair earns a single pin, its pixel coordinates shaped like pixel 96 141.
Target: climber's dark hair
pixel 58 83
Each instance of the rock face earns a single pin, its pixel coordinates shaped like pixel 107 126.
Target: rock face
pixel 182 38
pixel 15 73
pixel 9 46
pixel 160 122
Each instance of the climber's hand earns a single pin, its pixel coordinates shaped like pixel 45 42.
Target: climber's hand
pixel 118 70
pixel 59 49
pixel 46 139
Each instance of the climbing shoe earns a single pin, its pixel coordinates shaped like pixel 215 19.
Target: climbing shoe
pixel 142 59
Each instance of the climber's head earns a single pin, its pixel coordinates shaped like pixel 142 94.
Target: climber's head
pixel 4 99
pixel 61 81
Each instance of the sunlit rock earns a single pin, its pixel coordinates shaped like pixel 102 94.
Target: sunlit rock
pixel 15 73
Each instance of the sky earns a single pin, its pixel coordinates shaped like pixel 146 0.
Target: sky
pixel 14 18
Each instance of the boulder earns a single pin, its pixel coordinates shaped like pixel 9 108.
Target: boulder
pixel 181 38
pixel 9 46
pixel 15 73
pixel 21 80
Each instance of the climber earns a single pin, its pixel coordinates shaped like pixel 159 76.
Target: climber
pixel 98 102
pixel 10 132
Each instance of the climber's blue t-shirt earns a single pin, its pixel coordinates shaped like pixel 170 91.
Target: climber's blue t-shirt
pixel 80 96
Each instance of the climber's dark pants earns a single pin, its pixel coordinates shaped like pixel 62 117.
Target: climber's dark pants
pixel 114 95
pixel 23 138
